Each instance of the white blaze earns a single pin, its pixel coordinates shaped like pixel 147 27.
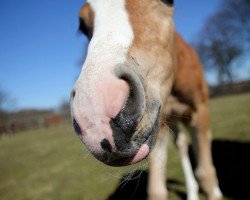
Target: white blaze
pixel 112 35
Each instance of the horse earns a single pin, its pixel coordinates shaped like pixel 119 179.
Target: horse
pixel 140 79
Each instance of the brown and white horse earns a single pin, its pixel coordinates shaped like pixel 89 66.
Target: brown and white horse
pixel 138 76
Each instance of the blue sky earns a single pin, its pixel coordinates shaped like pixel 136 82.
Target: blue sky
pixel 41 51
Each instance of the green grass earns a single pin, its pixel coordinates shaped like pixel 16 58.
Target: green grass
pixel 52 163
pixel 230 117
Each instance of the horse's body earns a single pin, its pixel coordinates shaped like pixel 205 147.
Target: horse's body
pixel 139 75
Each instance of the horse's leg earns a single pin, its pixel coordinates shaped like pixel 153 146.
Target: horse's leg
pixel 157 189
pixel 190 181
pixel 201 140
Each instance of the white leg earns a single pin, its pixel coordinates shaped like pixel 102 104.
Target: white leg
pixel 157 189
pixel 191 184
pixel 216 192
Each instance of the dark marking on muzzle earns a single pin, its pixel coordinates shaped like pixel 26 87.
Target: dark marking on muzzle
pixel 106 146
pixel 77 127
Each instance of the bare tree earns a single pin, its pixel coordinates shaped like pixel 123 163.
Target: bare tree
pixel 7 104
pixel 3 99
pixel 64 110
pixel 225 38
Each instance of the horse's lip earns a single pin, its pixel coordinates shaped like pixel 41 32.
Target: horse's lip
pixel 141 154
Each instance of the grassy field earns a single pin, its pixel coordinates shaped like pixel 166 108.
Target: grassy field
pixel 52 163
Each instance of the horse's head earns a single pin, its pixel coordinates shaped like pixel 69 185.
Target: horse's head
pixel 127 75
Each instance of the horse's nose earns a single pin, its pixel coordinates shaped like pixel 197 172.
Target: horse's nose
pixel 126 121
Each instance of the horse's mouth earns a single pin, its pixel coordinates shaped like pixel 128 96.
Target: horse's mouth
pixel 141 152
pixel 130 152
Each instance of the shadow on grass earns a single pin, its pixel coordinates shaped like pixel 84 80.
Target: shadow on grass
pixel 231 159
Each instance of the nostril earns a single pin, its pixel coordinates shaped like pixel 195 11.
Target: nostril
pixel 76 127
pixel 105 144
pixel 128 118
pixel 73 94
